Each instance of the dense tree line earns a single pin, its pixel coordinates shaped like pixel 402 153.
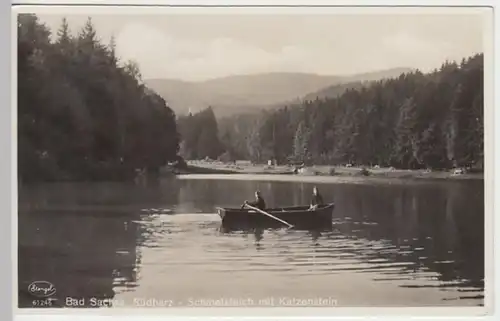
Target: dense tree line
pixel 82 114
pixel 200 135
pixel 417 120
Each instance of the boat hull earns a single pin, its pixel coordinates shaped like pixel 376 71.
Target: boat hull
pixel 300 217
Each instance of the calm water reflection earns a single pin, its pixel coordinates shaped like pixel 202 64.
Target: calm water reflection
pixel 392 244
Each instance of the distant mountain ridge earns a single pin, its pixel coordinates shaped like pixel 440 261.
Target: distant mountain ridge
pixel 354 82
pixel 242 93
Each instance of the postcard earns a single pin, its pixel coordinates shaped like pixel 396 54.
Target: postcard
pixel 259 158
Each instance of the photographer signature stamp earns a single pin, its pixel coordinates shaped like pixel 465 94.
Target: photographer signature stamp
pixel 42 291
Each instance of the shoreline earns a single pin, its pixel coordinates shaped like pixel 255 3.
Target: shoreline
pixel 323 172
pixel 285 173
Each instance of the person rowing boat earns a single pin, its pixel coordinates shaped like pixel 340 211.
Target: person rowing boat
pixel 258 203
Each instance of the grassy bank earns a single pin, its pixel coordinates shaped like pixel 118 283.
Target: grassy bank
pixel 200 167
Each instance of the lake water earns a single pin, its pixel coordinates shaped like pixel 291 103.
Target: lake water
pixel 123 245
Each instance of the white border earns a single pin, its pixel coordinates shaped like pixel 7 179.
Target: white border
pixel 25 314
pixel 256 10
pixel 301 3
pixel 6 140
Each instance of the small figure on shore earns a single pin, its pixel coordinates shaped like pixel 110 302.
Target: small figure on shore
pixel 316 199
pixel 258 203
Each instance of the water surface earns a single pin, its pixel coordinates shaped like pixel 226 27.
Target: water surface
pixel 393 244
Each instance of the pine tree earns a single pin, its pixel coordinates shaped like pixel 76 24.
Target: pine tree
pixel 64 33
pixel 301 142
pixel 112 50
pixel 88 34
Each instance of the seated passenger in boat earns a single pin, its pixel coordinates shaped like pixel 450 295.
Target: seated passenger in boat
pixel 316 199
pixel 258 203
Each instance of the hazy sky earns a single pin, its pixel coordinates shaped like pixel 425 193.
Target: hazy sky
pixel 196 47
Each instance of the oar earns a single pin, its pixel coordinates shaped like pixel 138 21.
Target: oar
pixel 271 216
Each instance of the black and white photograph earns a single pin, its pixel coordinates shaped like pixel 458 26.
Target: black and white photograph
pixel 251 158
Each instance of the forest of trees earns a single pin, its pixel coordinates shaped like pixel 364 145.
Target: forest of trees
pixel 417 120
pixel 200 135
pixel 83 114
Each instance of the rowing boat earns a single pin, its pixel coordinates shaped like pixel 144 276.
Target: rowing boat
pixel 301 217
